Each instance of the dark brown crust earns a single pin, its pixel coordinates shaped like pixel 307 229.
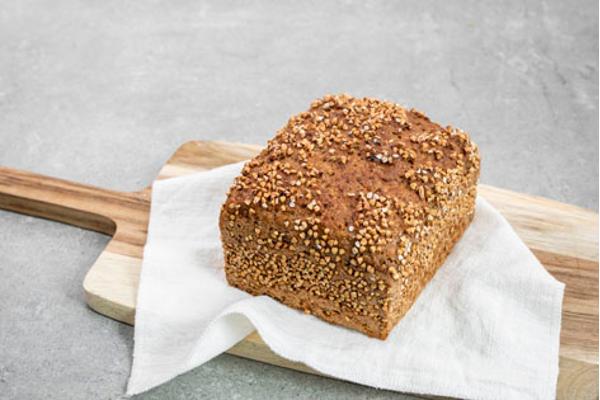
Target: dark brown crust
pixel 349 211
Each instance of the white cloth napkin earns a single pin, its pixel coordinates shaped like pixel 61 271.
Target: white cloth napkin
pixel 486 327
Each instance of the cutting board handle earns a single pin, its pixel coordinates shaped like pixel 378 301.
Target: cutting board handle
pixel 76 204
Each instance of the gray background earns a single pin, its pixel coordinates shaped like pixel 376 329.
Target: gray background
pixel 104 92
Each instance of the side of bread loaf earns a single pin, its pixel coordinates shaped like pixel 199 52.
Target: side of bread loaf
pixel 349 211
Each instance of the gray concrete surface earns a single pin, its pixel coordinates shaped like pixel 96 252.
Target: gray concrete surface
pixel 103 93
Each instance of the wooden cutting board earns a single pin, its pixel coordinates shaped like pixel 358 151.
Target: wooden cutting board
pixel 562 236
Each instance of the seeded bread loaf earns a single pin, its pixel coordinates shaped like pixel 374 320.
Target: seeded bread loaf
pixel 349 211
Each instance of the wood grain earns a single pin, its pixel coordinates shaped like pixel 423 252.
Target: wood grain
pixel 563 237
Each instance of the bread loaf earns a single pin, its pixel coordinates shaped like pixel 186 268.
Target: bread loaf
pixel 349 211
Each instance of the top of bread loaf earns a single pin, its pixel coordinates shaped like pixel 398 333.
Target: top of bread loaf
pixel 368 168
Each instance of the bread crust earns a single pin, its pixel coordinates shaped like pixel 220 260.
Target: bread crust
pixel 349 211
